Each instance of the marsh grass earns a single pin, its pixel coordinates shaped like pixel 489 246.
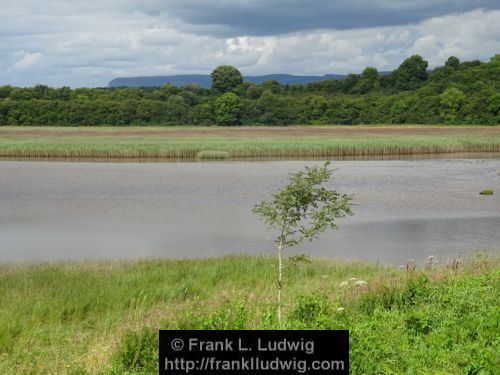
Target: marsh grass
pixel 107 146
pixel 101 317
pixel 213 155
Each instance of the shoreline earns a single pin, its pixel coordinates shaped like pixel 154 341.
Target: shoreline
pixel 145 160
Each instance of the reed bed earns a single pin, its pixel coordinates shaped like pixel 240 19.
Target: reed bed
pixel 213 155
pixel 223 148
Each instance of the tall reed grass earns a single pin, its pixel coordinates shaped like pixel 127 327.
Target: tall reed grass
pixel 189 148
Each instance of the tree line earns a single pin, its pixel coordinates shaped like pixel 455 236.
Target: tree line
pixel 455 93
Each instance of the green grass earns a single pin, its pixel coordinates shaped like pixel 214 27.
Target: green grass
pixel 102 317
pixel 107 145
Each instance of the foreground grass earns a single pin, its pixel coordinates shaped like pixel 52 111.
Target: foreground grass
pixel 48 142
pixel 102 317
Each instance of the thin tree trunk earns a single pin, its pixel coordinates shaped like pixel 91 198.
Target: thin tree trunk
pixel 280 278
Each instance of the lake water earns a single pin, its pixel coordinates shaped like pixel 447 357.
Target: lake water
pixel 404 209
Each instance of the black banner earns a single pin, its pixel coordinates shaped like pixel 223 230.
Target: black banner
pixel 254 352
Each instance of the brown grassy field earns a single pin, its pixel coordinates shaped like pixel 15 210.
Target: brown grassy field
pixel 246 131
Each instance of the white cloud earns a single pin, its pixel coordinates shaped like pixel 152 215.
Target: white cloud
pixel 89 43
pixel 474 35
pixel 28 60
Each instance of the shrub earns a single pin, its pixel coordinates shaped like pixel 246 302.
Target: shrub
pixel 138 352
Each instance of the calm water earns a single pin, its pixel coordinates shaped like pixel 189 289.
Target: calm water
pixel 403 209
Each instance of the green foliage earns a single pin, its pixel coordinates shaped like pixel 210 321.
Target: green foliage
pixel 411 73
pixel 138 353
pixel 271 85
pixel 227 109
pixel 213 155
pixel 368 98
pixel 494 104
pixel 299 258
pixel 310 312
pixel 399 112
pixel 229 315
pixel 452 100
pixel 202 114
pixel 349 82
pixel 303 209
pixel 225 78
pixel 317 107
pixel 368 82
pixel 452 62
pixel 254 91
pixel 103 317
pixel 5 91
pixel 271 109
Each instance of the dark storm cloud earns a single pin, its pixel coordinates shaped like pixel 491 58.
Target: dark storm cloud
pixel 259 17
pixel 90 42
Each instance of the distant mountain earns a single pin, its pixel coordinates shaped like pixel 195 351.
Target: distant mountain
pixel 204 80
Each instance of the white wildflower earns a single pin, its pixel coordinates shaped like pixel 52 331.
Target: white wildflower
pixel 361 283
pixel 340 309
pixel 344 283
pixel 352 279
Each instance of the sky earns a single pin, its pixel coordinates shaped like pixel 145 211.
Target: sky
pixel 87 43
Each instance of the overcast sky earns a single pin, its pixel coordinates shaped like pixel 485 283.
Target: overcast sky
pixel 88 43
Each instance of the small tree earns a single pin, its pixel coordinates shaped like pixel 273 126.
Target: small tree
pixel 302 210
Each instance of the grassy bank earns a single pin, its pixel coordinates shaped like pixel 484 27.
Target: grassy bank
pixel 187 143
pixel 101 317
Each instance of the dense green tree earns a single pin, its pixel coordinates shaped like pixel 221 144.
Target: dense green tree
pixel 190 98
pixel 494 108
pixel 167 91
pixel 227 109
pixel 451 101
pixel 5 91
pixel 452 62
pixel 343 112
pixel 349 82
pixel 467 94
pixel 201 114
pixel 64 93
pixel 494 105
pixel 367 82
pixel 273 109
pixel 19 94
pixel 495 60
pixel 271 85
pixel 317 107
pixel 411 73
pixel 225 78
pixel 398 112
pixel 370 73
pixel 254 92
